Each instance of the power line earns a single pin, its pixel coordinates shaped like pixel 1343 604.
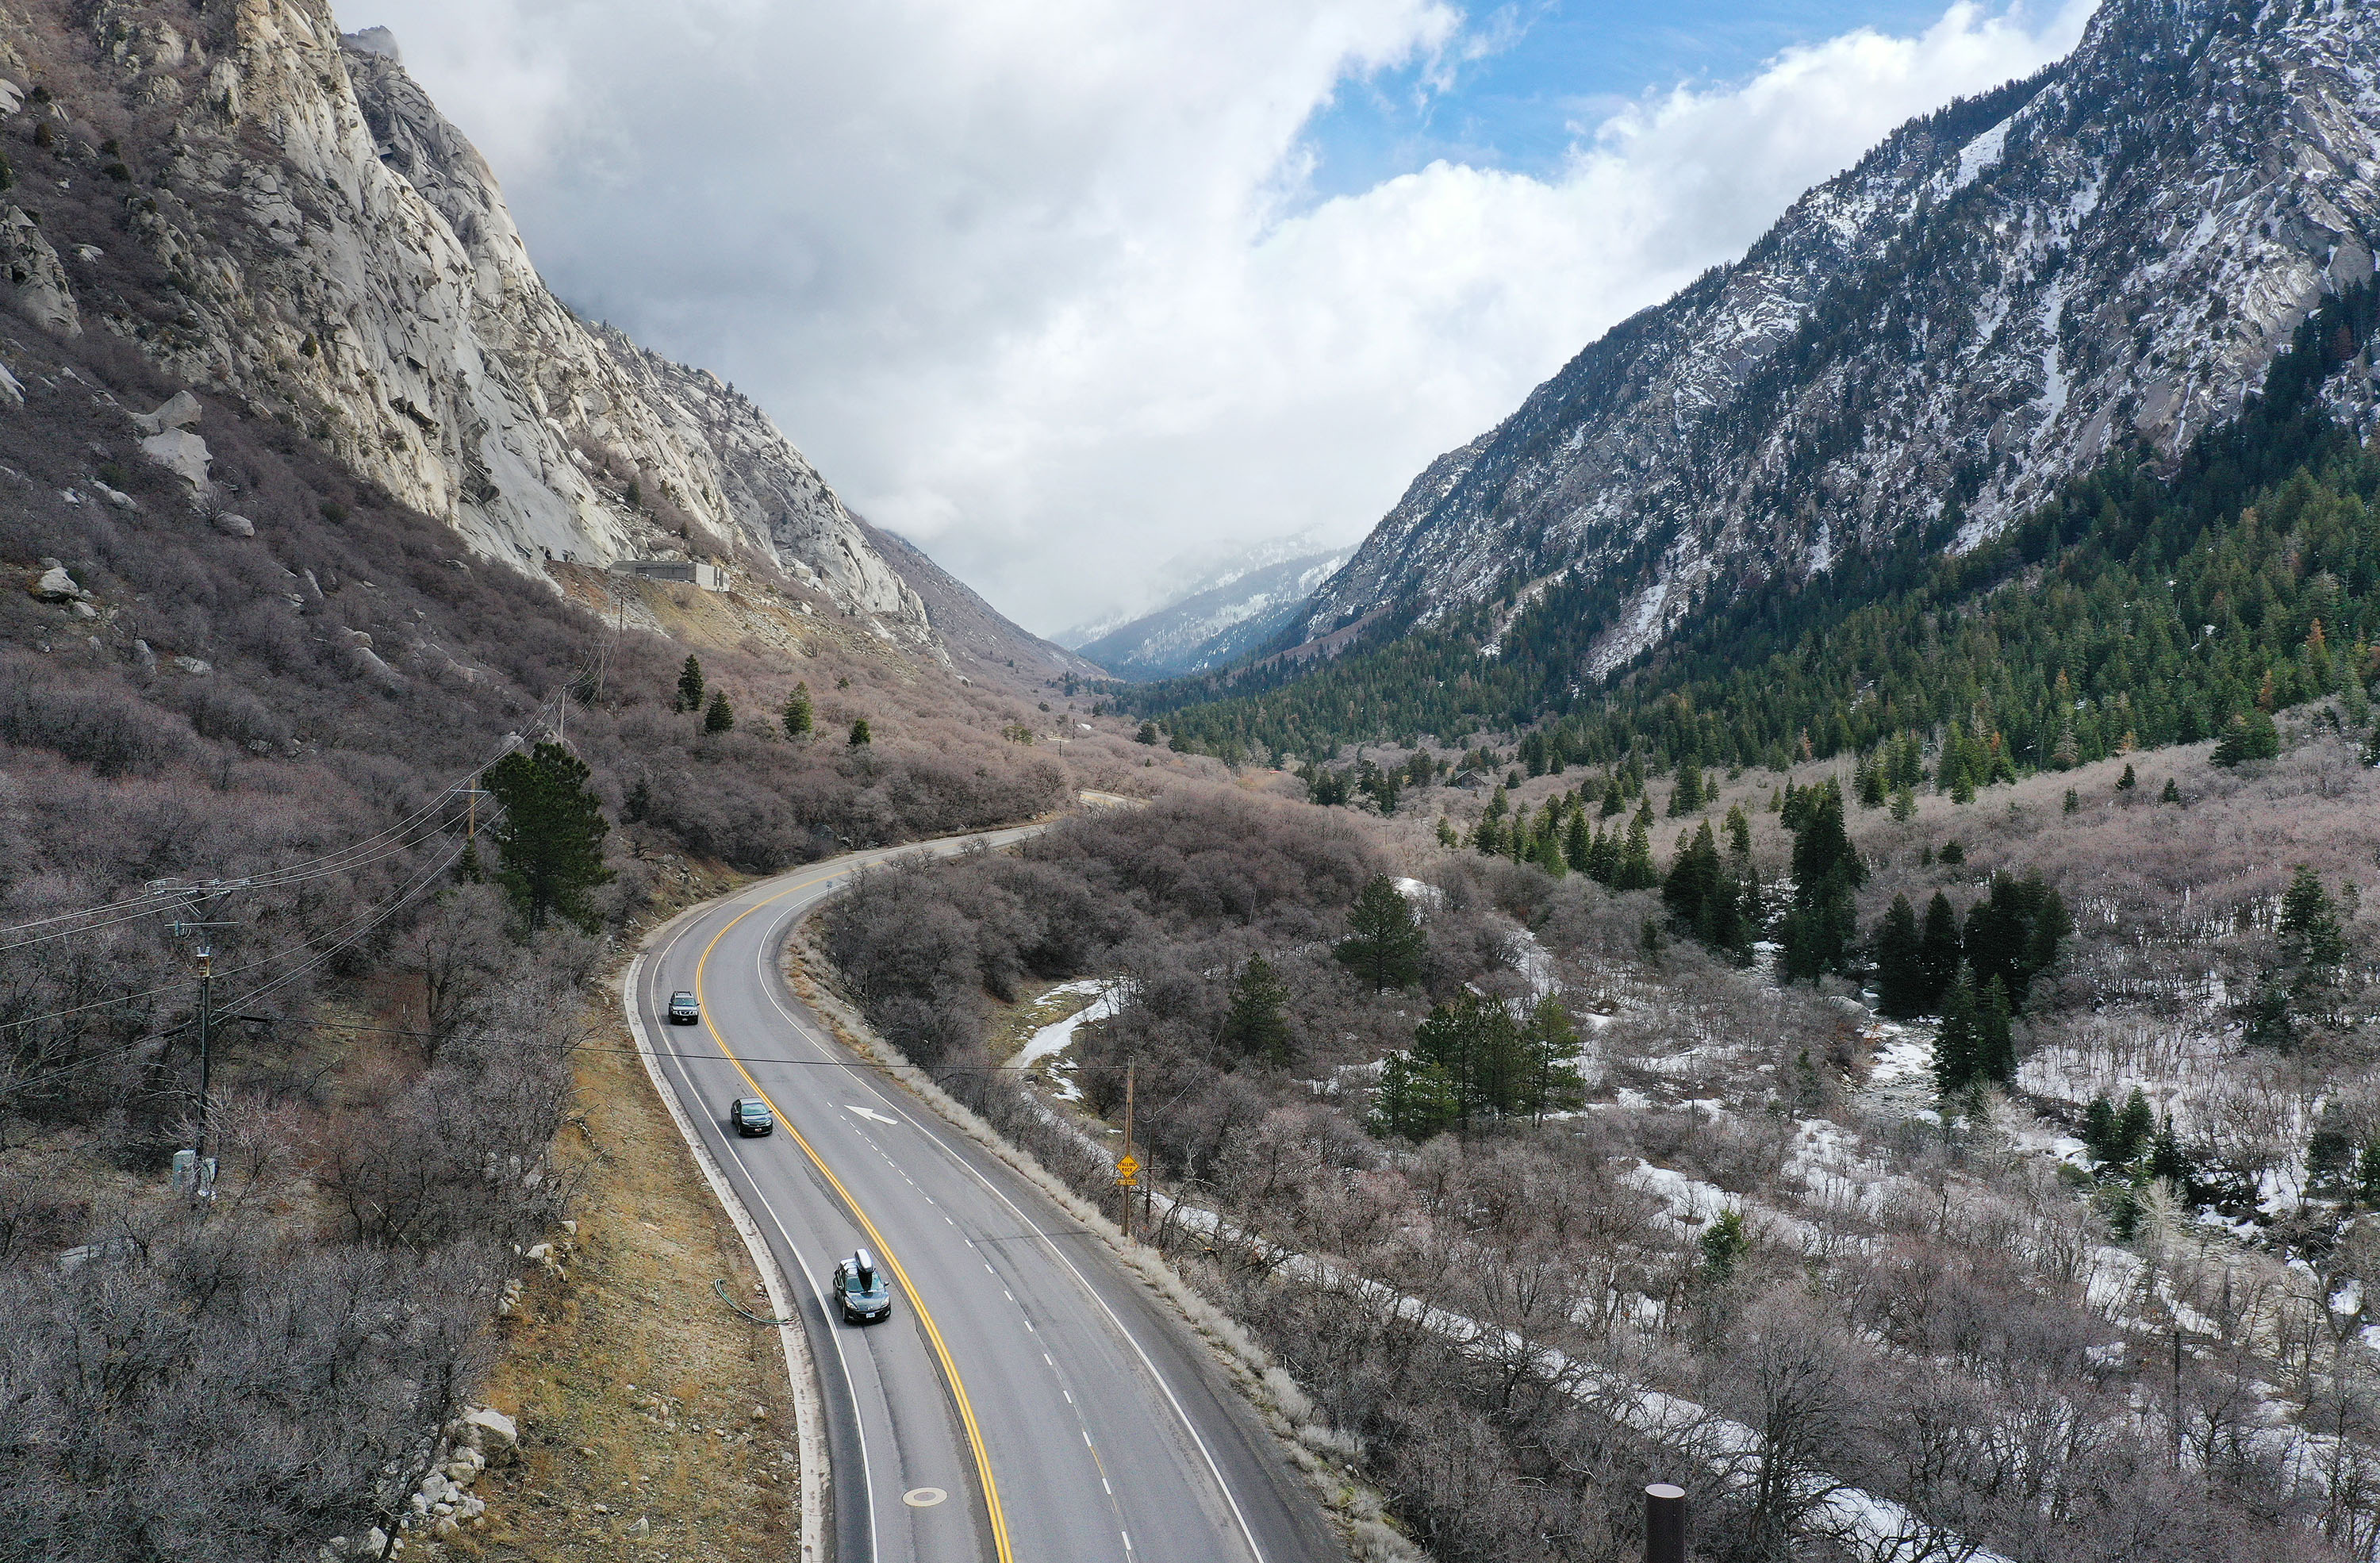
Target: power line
pixel 355 854
pixel 403 896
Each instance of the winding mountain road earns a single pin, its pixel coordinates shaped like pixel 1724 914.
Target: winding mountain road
pixel 1029 1398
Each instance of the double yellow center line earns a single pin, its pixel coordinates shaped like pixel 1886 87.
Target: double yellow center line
pixel 884 1250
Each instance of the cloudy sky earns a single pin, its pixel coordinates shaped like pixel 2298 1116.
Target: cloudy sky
pixel 1068 289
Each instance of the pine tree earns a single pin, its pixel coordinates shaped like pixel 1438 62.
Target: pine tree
pixel 2167 1158
pixel 2248 737
pixel 721 717
pixel 1904 805
pixel 689 685
pixel 2099 1132
pixel 1954 1047
pixel 1938 951
pixel 797 716
pixel 1688 796
pixel 1415 1100
pixel 1578 844
pixel 1901 986
pixel 1822 929
pixel 1255 1026
pixel 2136 1127
pixel 860 736
pixel 1555 1085
pixel 550 839
pixel 1995 1047
pixel 1635 869
pixel 2127 781
pixel 2265 1016
pixel 2310 934
pixel 1724 1243
pixel 1384 943
pixel 2172 795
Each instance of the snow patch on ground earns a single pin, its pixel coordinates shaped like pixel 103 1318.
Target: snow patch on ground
pixel 1053 1039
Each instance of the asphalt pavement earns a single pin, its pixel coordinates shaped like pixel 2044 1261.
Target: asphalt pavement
pixel 1029 1398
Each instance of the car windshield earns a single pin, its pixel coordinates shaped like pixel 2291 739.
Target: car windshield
pixel 856 1284
pixel 754 1111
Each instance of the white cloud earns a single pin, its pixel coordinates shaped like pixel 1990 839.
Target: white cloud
pixel 1036 281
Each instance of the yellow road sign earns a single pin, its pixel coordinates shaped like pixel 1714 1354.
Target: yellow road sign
pixel 1128 1170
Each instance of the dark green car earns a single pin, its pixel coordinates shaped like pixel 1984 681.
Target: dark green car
pixel 861 1290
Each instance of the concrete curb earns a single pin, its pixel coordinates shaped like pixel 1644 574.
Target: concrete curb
pixel 801 1368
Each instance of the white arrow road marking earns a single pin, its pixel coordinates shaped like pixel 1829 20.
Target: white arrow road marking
pixel 869 1112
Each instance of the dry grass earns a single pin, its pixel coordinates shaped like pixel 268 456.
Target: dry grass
pixel 635 1386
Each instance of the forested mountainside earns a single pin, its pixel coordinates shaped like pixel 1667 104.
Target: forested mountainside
pixel 2135 609
pixel 1993 301
pixel 279 216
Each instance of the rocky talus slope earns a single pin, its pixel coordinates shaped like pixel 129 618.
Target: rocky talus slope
pixel 280 215
pixel 2108 254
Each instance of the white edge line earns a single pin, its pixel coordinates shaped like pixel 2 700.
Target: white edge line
pixel 1214 1467
pixel 809 1428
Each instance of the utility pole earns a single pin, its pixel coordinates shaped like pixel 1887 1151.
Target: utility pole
pixel 206 1041
pixel 203 1180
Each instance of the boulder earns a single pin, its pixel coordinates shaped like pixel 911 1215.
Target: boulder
pixel 180 412
pixel 233 526
pixel 55 586
pixel 181 453
pixel 491 1432
pixel 115 496
pixel 144 656
pixel 197 667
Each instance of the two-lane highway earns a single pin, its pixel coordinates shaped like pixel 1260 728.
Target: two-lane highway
pixel 1030 1399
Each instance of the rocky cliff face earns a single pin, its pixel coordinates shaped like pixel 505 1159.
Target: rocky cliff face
pixel 329 248
pixel 2000 295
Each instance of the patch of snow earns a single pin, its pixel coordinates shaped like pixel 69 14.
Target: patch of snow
pixel 1054 1039
pixel 1981 153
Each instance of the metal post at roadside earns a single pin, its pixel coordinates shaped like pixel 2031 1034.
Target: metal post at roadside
pixel 1665 1523
pixel 1129 1167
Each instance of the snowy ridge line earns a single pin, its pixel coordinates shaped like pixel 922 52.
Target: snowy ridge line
pixel 1889 1531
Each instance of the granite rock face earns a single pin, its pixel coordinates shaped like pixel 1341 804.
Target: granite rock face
pixel 341 256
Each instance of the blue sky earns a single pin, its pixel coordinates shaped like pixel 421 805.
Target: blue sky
pixel 1547 71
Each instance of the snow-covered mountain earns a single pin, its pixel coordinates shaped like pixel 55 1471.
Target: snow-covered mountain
pixel 338 254
pixel 1217 621
pixel 1996 296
